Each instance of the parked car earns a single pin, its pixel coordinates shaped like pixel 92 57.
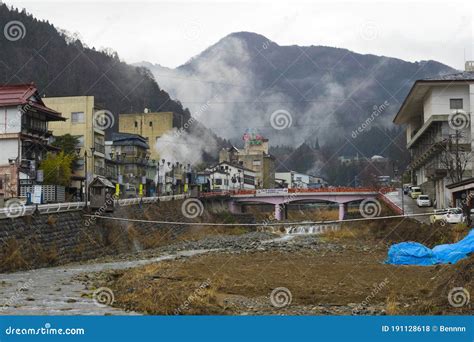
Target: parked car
pixel 415 192
pixel 423 201
pixel 449 215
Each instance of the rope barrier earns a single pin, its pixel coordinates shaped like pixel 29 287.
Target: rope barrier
pixel 255 224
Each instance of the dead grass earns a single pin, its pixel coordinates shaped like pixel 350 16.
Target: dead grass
pixel 392 306
pixel 12 257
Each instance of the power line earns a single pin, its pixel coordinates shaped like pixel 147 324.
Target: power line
pixel 304 223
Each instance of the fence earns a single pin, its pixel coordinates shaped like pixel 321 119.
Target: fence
pixel 51 193
pixel 17 209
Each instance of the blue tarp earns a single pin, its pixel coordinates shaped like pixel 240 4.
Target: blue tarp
pixel 414 253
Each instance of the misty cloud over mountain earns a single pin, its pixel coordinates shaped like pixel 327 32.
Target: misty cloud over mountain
pixel 322 92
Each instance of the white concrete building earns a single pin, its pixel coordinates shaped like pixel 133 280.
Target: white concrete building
pixel 227 176
pixel 293 179
pixel 433 111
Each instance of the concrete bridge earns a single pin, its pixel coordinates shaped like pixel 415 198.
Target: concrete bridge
pixel 281 197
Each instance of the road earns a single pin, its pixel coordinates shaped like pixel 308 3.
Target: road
pixel 409 205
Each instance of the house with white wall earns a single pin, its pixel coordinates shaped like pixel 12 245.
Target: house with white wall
pixel 294 179
pixel 437 114
pixel 24 136
pixel 229 176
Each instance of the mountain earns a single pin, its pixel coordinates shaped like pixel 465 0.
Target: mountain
pixel 295 95
pixel 61 65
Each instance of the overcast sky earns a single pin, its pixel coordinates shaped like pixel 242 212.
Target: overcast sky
pixel 170 33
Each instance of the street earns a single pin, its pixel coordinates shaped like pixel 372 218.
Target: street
pixel 409 205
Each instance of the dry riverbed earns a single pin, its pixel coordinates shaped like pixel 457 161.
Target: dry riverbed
pixel 340 272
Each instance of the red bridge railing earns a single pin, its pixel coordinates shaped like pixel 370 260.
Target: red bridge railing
pixel 296 190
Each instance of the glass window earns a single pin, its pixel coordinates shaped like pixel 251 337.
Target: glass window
pixel 455 104
pixel 77 117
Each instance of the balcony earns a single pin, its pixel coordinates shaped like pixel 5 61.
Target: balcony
pixel 434 173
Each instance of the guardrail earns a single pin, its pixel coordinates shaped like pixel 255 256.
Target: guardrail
pixel 284 191
pixel 391 204
pixel 18 209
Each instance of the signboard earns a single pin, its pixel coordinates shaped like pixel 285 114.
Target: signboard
pixel 271 191
pixel 252 137
pixel 36 198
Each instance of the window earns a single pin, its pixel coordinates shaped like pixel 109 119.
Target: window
pixel 218 181
pixel 151 123
pixel 455 104
pixel 136 124
pixel 77 117
pixel 256 163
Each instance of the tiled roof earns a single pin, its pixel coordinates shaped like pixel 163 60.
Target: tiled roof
pixel 16 94
pixel 21 94
pixel 459 76
pixel 120 138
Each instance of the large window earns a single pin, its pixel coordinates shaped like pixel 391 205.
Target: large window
pixel 455 104
pixel 77 117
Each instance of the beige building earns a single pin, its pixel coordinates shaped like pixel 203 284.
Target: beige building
pixel 255 157
pixel 150 125
pixel 79 112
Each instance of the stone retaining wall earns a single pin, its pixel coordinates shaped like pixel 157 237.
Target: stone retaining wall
pixel 47 240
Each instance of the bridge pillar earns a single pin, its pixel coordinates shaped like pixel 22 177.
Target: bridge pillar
pixel 235 208
pixel 342 211
pixel 278 211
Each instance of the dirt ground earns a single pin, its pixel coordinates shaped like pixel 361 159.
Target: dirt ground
pixel 344 275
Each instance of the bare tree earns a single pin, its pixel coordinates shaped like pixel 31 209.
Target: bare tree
pixel 455 156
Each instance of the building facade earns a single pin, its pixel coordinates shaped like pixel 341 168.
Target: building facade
pixel 24 136
pixel 293 179
pixel 80 112
pixel 130 153
pixel 437 114
pixel 228 176
pixel 254 156
pixel 150 125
